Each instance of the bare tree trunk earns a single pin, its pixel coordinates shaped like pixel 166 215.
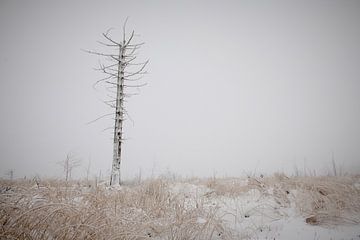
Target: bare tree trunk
pixel 88 171
pixel 121 70
pixel 119 116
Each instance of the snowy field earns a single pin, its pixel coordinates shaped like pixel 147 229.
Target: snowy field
pixel 274 207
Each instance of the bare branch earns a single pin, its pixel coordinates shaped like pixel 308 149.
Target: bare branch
pixel 105 115
pixel 140 71
pixel 108 45
pixel 116 59
pixel 130 118
pixel 108 128
pixel 130 38
pixel 135 86
pixel 101 80
pixel 132 51
pixel 109 39
pixel 107 31
pixel 134 79
pixel 135 45
pixel 97 53
pixel 115 75
pixel 137 64
pixel 109 104
pixel 102 67
pixel 124 29
pixel 111 97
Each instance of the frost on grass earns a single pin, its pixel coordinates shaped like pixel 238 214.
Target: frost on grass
pixel 277 207
pixel 55 211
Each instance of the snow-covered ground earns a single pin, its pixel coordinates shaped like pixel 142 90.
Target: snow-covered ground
pixel 265 211
pixel 275 207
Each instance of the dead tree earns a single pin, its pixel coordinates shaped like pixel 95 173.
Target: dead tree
pixel 122 73
pixel 10 173
pixel 69 164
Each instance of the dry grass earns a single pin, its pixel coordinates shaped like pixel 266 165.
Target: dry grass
pixel 325 200
pixel 230 187
pixel 153 210
pixel 54 210
pixel 328 200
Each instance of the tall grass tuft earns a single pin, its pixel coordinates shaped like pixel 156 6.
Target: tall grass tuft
pixel 56 210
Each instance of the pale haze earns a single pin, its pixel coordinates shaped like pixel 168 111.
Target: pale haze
pixel 234 87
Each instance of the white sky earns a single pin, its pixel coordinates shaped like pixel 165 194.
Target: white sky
pixel 234 86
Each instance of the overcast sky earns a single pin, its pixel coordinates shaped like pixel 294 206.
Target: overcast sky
pixel 234 87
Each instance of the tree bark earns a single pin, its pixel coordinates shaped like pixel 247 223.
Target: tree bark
pixel 119 117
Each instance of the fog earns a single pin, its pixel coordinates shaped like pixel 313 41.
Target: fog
pixel 234 87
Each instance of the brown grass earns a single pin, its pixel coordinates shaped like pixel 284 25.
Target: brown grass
pixel 325 200
pixel 54 209
pixel 328 200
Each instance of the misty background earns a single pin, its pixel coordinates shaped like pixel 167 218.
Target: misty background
pixel 234 87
